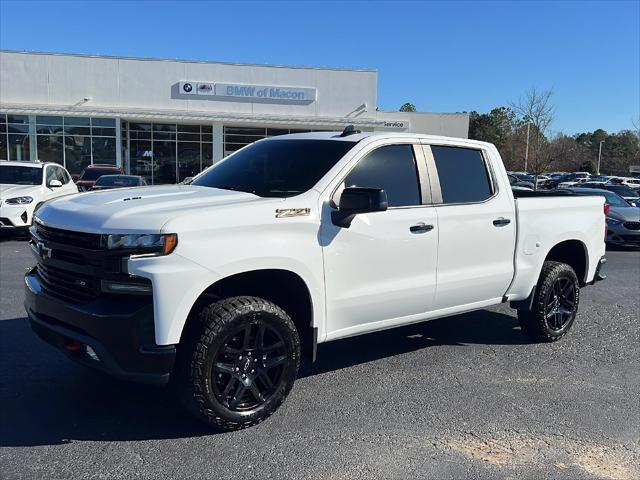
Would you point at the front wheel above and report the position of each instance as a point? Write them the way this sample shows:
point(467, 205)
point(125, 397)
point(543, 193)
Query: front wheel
point(555, 304)
point(240, 364)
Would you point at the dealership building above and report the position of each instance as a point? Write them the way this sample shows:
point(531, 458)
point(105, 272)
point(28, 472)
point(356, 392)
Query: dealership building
point(169, 119)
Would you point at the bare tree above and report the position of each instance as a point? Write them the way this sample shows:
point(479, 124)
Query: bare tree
point(536, 109)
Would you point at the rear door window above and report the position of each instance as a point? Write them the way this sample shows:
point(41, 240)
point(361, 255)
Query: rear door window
point(463, 174)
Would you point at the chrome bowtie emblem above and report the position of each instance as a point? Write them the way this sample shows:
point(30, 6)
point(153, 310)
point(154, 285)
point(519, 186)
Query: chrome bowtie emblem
point(43, 251)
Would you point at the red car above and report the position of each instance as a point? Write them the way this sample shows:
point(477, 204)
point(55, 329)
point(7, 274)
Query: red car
point(92, 172)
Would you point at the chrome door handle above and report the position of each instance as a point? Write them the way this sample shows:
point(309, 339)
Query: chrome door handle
point(501, 222)
point(420, 228)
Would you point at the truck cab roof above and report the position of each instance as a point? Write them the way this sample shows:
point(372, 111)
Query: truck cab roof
point(27, 163)
point(357, 137)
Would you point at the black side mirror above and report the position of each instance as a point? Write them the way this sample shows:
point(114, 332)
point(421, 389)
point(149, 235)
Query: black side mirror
point(355, 200)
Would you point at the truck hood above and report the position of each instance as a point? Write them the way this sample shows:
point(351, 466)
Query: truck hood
point(143, 209)
point(10, 191)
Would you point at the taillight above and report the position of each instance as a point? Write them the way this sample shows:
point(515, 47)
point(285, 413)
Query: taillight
point(607, 208)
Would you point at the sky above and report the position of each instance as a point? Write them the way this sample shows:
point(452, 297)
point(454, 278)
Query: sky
point(441, 56)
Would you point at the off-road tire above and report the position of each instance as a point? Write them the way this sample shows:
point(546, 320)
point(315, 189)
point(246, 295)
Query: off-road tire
point(205, 340)
point(533, 322)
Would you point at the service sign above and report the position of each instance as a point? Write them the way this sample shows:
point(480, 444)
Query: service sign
point(396, 124)
point(267, 93)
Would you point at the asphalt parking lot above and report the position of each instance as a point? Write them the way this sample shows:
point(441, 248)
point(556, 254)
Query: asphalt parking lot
point(461, 397)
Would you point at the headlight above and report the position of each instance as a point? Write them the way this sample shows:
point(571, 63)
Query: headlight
point(613, 221)
point(162, 244)
point(19, 200)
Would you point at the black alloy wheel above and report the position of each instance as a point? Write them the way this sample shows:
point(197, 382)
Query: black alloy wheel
point(238, 362)
point(555, 303)
point(249, 367)
point(561, 303)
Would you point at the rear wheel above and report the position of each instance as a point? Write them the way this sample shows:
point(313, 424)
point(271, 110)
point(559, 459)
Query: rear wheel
point(240, 364)
point(555, 304)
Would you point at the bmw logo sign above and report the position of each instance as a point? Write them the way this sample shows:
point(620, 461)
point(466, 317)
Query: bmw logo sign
point(187, 87)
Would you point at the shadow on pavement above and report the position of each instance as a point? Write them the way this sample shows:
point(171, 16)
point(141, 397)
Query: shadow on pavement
point(45, 399)
point(8, 235)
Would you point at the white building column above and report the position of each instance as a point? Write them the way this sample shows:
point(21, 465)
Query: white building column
point(33, 141)
point(218, 142)
point(119, 143)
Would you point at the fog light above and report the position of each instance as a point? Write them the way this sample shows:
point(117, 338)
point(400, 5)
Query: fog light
point(133, 288)
point(91, 353)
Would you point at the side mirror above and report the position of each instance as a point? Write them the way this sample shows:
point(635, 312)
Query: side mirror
point(355, 200)
point(75, 178)
point(54, 184)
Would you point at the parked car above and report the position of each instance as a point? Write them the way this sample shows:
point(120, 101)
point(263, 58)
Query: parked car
point(542, 181)
point(92, 172)
point(25, 186)
point(107, 182)
point(627, 181)
point(515, 182)
point(297, 240)
point(577, 181)
point(625, 192)
point(600, 178)
point(623, 219)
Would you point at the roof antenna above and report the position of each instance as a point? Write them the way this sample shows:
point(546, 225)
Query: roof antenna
point(349, 130)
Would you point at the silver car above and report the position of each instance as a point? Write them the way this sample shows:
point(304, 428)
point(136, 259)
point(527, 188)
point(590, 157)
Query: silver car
point(623, 219)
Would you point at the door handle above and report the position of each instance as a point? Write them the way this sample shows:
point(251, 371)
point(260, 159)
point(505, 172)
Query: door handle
point(501, 222)
point(420, 228)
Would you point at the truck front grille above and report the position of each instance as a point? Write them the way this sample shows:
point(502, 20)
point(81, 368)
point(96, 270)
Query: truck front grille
point(68, 237)
point(72, 265)
point(67, 285)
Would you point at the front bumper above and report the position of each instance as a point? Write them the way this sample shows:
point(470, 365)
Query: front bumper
point(623, 237)
point(14, 216)
point(119, 332)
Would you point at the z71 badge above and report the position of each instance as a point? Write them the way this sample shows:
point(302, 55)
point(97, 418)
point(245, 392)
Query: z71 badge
point(292, 212)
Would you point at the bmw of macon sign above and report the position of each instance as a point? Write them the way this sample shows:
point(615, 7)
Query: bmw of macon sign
point(268, 93)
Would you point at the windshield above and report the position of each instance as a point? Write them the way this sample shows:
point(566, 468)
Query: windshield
point(95, 173)
point(16, 175)
point(276, 168)
point(116, 181)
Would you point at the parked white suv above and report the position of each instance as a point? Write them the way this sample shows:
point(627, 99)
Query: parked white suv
point(297, 240)
point(24, 186)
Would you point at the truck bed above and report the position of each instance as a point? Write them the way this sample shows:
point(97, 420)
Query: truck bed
point(545, 219)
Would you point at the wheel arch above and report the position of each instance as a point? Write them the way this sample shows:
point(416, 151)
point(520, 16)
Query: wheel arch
point(574, 253)
point(285, 288)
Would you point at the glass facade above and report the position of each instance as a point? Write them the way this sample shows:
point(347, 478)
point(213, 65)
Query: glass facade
point(73, 142)
point(16, 142)
point(166, 152)
point(237, 137)
point(162, 153)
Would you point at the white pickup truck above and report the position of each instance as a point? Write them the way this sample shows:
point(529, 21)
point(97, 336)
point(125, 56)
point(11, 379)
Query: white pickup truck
point(293, 241)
